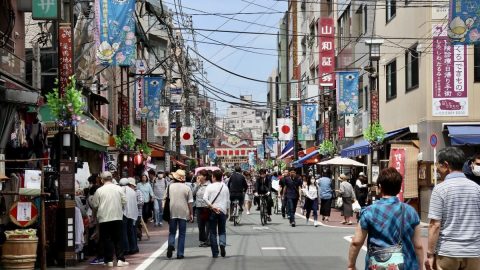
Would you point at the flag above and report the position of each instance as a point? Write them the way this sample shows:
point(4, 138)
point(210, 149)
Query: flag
point(115, 36)
point(186, 136)
point(161, 125)
point(285, 131)
point(287, 150)
point(152, 95)
point(309, 121)
point(347, 92)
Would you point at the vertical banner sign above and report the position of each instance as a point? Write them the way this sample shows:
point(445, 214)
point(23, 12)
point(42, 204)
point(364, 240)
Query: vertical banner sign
point(326, 129)
point(144, 130)
point(115, 37)
point(327, 51)
point(161, 125)
point(152, 95)
point(464, 26)
point(251, 158)
point(347, 92)
point(269, 142)
point(124, 110)
point(203, 145)
point(309, 121)
point(397, 161)
point(261, 151)
point(450, 96)
point(65, 56)
point(374, 105)
point(141, 67)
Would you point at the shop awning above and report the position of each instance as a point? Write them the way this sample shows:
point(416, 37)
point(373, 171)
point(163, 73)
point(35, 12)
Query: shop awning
point(306, 158)
point(158, 151)
point(93, 146)
point(462, 135)
point(178, 162)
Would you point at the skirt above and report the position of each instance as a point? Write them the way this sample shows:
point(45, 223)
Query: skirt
point(347, 210)
point(325, 207)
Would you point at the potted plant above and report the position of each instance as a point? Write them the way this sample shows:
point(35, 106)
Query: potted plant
point(67, 109)
point(327, 148)
point(374, 135)
point(144, 148)
point(126, 140)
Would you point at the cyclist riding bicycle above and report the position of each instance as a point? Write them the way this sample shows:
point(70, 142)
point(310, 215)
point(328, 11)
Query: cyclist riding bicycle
point(237, 185)
point(264, 187)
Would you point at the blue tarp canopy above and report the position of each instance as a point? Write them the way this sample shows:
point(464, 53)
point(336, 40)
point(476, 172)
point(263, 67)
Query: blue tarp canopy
point(461, 135)
point(363, 147)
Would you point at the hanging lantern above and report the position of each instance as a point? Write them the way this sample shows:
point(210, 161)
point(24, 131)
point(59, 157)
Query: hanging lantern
point(138, 159)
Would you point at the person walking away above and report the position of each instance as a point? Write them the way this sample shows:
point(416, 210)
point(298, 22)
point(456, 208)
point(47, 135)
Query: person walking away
point(159, 187)
point(348, 197)
point(130, 215)
point(282, 191)
point(454, 230)
point(326, 196)
point(389, 224)
point(264, 187)
point(471, 169)
point(140, 202)
point(249, 195)
point(290, 187)
point(146, 188)
point(311, 200)
point(181, 211)
point(123, 182)
point(108, 201)
point(361, 191)
point(217, 197)
point(237, 186)
point(201, 208)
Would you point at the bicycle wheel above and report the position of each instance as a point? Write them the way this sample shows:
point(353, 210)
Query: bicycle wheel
point(263, 212)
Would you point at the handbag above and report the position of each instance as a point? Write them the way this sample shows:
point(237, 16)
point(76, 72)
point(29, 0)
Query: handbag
point(339, 202)
point(388, 257)
point(166, 207)
point(356, 207)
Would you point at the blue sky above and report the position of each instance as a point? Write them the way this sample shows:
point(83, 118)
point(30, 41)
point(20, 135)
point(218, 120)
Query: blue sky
point(241, 62)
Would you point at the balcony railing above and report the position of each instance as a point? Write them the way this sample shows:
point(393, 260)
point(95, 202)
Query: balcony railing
point(12, 64)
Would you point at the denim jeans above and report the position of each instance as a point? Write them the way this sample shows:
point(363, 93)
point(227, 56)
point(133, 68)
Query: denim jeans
point(158, 210)
point(291, 208)
point(217, 221)
point(203, 228)
point(132, 236)
point(181, 224)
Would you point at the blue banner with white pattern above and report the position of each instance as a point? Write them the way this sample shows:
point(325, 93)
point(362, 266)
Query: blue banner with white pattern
point(464, 23)
point(347, 92)
point(309, 121)
point(152, 91)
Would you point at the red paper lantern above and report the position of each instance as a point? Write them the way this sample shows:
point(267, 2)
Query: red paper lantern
point(138, 159)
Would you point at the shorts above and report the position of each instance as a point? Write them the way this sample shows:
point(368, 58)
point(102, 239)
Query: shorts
point(249, 197)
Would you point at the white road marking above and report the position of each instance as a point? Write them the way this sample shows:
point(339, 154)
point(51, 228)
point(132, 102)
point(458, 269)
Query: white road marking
point(323, 224)
point(145, 264)
point(348, 238)
point(261, 228)
point(274, 248)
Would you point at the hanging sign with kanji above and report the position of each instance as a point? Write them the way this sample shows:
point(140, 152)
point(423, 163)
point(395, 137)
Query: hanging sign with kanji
point(23, 214)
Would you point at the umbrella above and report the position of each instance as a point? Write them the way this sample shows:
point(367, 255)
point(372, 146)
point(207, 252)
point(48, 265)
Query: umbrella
point(209, 168)
point(340, 161)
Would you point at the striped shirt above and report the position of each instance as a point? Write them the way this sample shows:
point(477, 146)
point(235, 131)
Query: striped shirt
point(456, 204)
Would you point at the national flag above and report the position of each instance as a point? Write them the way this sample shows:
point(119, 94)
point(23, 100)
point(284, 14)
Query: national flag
point(285, 130)
point(186, 136)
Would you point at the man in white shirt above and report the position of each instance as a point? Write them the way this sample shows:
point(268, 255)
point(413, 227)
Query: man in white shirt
point(217, 198)
point(108, 201)
point(131, 214)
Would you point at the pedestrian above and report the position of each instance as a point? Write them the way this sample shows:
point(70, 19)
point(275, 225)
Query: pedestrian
point(471, 169)
point(326, 195)
point(302, 196)
point(140, 203)
point(263, 187)
point(159, 187)
point(109, 201)
point(146, 188)
point(181, 211)
point(249, 198)
point(217, 197)
point(237, 186)
point(311, 200)
point(290, 187)
point(348, 197)
point(361, 189)
point(281, 183)
point(130, 215)
point(393, 228)
point(152, 178)
point(454, 230)
point(201, 208)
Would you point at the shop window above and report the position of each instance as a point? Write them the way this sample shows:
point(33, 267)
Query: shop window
point(390, 10)
point(391, 80)
point(411, 68)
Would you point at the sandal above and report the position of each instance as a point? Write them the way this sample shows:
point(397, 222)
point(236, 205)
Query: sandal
point(343, 222)
point(349, 223)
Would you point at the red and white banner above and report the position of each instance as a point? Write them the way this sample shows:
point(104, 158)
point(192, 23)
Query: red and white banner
point(326, 65)
point(285, 129)
point(65, 55)
point(186, 136)
point(397, 161)
point(161, 125)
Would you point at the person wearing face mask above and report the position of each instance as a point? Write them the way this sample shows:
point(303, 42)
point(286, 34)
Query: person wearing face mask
point(471, 169)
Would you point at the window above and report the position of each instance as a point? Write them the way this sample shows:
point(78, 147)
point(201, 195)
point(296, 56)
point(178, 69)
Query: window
point(391, 9)
point(234, 113)
point(360, 98)
point(476, 62)
point(365, 91)
point(244, 112)
point(344, 23)
point(411, 68)
point(250, 121)
point(365, 19)
point(391, 80)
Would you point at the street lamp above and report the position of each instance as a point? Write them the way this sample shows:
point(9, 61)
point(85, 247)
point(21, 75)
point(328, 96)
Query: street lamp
point(374, 48)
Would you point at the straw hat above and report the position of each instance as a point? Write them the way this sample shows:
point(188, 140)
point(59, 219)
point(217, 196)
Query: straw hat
point(179, 175)
point(131, 181)
point(343, 177)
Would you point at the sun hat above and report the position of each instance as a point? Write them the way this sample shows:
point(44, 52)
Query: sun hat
point(179, 175)
point(131, 181)
point(343, 177)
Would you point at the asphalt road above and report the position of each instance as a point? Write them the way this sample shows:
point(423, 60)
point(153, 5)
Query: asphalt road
point(274, 246)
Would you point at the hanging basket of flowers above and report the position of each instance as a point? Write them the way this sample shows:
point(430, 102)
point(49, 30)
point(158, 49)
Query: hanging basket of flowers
point(374, 134)
point(327, 148)
point(67, 109)
point(126, 140)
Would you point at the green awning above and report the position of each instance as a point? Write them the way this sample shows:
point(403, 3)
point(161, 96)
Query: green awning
point(93, 146)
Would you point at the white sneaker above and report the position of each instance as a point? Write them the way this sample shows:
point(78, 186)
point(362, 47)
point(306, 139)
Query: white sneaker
point(248, 212)
point(315, 223)
point(122, 263)
point(109, 264)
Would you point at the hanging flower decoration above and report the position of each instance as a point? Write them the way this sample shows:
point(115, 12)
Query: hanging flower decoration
point(374, 134)
point(126, 140)
point(68, 109)
point(144, 148)
point(327, 148)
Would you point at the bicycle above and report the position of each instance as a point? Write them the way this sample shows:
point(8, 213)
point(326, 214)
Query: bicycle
point(236, 213)
point(263, 209)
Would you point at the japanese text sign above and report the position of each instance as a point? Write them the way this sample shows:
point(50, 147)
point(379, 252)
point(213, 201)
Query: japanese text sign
point(327, 51)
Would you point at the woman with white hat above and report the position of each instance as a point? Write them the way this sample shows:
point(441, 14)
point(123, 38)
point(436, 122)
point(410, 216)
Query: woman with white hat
point(348, 197)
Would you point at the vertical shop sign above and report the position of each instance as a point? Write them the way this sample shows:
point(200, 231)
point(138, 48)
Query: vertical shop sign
point(397, 161)
point(65, 56)
point(327, 51)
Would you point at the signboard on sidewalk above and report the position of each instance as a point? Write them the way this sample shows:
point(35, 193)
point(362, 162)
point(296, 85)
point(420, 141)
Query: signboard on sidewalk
point(397, 161)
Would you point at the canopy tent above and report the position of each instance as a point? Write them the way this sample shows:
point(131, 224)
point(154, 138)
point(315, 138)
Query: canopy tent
point(341, 161)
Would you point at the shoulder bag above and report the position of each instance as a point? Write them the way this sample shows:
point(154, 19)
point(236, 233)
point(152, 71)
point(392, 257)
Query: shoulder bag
point(166, 206)
point(388, 257)
point(206, 216)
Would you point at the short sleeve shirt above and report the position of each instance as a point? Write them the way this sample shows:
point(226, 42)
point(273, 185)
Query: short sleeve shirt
point(383, 223)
